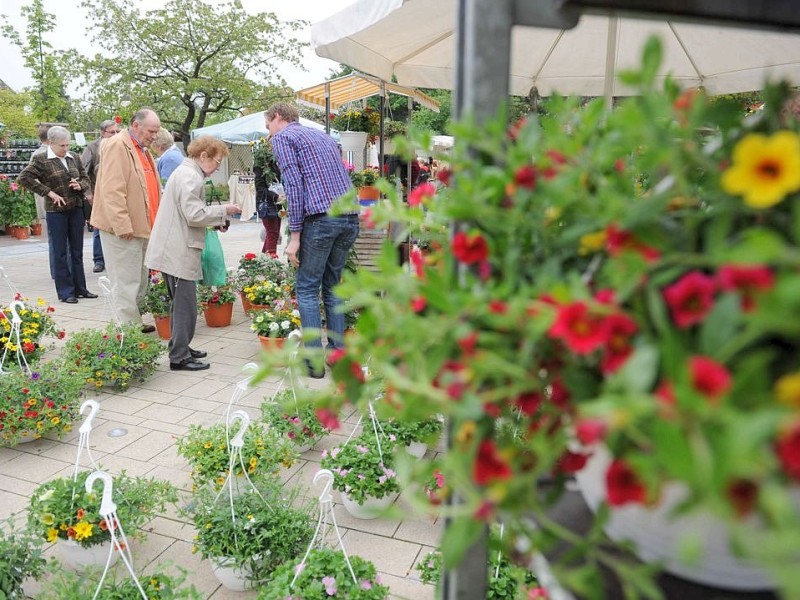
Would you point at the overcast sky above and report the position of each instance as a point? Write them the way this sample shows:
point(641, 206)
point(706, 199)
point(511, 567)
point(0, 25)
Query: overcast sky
point(72, 20)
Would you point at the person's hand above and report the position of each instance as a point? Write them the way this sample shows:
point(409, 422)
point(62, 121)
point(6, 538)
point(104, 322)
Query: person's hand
point(291, 251)
point(126, 236)
point(75, 184)
point(232, 209)
point(57, 200)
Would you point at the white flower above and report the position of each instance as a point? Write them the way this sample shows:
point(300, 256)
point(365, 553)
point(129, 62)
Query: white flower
point(285, 325)
point(273, 327)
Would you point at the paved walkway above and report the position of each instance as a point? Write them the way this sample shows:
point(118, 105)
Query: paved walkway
point(162, 409)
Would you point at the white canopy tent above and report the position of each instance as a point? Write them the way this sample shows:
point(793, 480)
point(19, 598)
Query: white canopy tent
point(244, 130)
point(415, 41)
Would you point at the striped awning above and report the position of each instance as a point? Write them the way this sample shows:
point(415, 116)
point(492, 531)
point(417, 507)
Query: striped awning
point(357, 86)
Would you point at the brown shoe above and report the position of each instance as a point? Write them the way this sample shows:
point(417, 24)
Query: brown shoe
point(148, 328)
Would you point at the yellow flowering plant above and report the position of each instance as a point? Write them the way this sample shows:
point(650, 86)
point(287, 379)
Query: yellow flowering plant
point(265, 293)
point(62, 509)
point(113, 357)
point(620, 283)
point(39, 402)
point(366, 119)
point(277, 322)
point(37, 322)
point(207, 451)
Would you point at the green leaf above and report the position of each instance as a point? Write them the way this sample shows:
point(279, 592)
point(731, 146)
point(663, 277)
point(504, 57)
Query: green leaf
point(651, 60)
point(758, 245)
point(639, 372)
point(459, 535)
point(721, 324)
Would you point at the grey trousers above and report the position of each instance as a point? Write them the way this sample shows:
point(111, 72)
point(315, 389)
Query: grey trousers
point(182, 316)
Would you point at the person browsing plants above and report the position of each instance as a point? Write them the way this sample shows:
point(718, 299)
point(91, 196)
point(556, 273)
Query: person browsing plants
point(178, 239)
point(313, 176)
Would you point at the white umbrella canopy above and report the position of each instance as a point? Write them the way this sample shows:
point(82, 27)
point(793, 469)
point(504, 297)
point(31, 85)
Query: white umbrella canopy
point(414, 40)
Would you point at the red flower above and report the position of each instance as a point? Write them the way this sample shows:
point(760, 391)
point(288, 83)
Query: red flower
point(498, 307)
point(445, 176)
point(249, 256)
point(538, 592)
point(526, 177)
point(418, 304)
point(747, 281)
point(485, 512)
point(60, 335)
point(357, 372)
point(366, 216)
point(470, 249)
point(418, 262)
point(467, 343)
point(589, 431)
point(623, 485)
point(788, 450)
point(528, 403)
point(621, 329)
point(328, 418)
point(665, 393)
point(743, 495)
point(578, 328)
point(336, 355)
point(559, 394)
point(570, 462)
point(619, 240)
point(117, 119)
point(709, 377)
point(690, 298)
point(452, 378)
point(421, 194)
point(489, 465)
point(492, 410)
point(28, 347)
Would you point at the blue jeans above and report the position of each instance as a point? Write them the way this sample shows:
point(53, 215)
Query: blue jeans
point(65, 229)
point(97, 249)
point(324, 246)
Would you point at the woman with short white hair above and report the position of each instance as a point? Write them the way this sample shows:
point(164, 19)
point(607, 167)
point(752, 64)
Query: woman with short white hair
point(59, 177)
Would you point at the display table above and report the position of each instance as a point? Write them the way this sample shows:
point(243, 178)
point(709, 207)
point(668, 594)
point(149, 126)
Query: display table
point(243, 194)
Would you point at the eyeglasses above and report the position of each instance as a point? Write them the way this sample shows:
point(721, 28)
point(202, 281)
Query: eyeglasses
point(111, 132)
point(219, 162)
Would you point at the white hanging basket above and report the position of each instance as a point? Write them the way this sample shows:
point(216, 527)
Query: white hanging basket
point(72, 554)
point(372, 508)
point(353, 141)
point(230, 576)
point(656, 533)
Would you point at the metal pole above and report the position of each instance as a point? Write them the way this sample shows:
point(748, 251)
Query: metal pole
point(483, 61)
point(327, 107)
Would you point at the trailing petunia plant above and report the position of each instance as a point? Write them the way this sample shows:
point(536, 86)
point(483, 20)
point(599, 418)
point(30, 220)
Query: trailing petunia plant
point(293, 420)
point(360, 470)
point(211, 294)
point(627, 278)
point(156, 300)
point(36, 322)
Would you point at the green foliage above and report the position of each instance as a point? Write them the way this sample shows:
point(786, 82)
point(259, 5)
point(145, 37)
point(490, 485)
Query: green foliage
point(208, 451)
point(269, 529)
point(36, 321)
point(364, 177)
point(264, 159)
point(324, 574)
point(185, 60)
point(212, 294)
point(63, 509)
point(295, 421)
point(17, 205)
point(33, 404)
point(256, 268)
point(357, 119)
point(406, 432)
point(358, 469)
point(17, 112)
point(156, 300)
point(20, 558)
point(65, 585)
point(49, 100)
point(113, 356)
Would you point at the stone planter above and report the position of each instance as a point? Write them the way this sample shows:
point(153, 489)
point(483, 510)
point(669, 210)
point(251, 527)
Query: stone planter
point(372, 508)
point(218, 315)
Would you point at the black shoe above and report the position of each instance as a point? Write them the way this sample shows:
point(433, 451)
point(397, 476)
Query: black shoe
point(198, 353)
point(89, 228)
point(312, 372)
point(148, 328)
point(189, 364)
point(70, 300)
point(86, 294)
point(98, 268)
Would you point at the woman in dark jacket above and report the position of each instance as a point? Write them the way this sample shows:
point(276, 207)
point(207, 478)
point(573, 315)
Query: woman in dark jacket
point(59, 177)
point(267, 206)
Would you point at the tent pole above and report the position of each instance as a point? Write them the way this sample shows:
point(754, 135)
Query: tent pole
point(483, 61)
point(328, 107)
point(611, 61)
point(380, 140)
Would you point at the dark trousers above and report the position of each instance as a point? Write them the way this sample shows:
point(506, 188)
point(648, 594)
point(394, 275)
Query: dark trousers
point(65, 230)
point(273, 228)
point(182, 316)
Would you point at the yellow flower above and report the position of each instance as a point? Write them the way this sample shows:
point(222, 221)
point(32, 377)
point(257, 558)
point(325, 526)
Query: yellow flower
point(465, 432)
point(48, 518)
point(207, 445)
point(52, 535)
point(592, 242)
point(83, 530)
point(253, 461)
point(765, 169)
point(787, 390)
point(55, 420)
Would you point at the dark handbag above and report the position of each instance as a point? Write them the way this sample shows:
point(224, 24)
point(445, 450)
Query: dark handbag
point(267, 209)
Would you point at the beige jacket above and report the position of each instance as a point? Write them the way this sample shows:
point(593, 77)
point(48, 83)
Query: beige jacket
point(179, 232)
point(120, 194)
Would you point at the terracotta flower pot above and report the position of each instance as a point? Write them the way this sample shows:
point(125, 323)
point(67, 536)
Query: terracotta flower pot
point(36, 229)
point(162, 327)
point(245, 302)
point(369, 193)
point(271, 343)
point(218, 315)
point(22, 233)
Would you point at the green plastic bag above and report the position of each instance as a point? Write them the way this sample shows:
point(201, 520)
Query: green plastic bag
point(213, 259)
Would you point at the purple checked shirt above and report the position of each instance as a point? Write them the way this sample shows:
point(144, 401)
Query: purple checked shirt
point(312, 171)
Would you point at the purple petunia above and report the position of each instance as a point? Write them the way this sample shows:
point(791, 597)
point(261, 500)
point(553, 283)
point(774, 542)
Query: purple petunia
point(35, 376)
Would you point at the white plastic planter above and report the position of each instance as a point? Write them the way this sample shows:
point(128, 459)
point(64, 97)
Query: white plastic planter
point(371, 509)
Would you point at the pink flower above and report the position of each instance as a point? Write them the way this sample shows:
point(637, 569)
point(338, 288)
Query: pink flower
point(13, 186)
point(330, 585)
point(747, 281)
point(709, 377)
point(328, 418)
point(421, 194)
point(580, 330)
point(365, 584)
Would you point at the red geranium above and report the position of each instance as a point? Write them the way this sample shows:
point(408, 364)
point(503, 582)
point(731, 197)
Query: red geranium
point(489, 465)
point(709, 377)
point(581, 331)
point(690, 298)
point(470, 249)
point(623, 485)
point(788, 450)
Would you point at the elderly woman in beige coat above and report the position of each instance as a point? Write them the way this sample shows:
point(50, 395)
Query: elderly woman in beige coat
point(177, 241)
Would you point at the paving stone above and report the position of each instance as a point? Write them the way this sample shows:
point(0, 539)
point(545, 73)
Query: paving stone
point(393, 557)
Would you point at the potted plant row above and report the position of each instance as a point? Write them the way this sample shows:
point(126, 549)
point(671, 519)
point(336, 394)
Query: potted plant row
point(255, 268)
point(216, 304)
point(273, 325)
